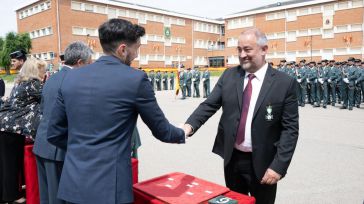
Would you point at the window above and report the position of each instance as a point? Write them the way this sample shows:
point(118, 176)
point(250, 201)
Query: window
point(232, 42)
point(292, 15)
point(101, 9)
point(281, 35)
point(111, 13)
point(44, 56)
point(316, 9)
point(357, 3)
point(76, 5)
point(341, 28)
point(270, 16)
point(281, 15)
point(142, 18)
point(328, 33)
point(355, 51)
point(356, 27)
point(342, 5)
point(132, 14)
point(303, 11)
point(122, 12)
point(49, 31)
point(291, 36)
point(167, 21)
point(329, 10)
point(340, 51)
point(316, 31)
point(270, 36)
point(303, 32)
point(51, 55)
point(77, 30)
point(91, 32)
point(89, 7)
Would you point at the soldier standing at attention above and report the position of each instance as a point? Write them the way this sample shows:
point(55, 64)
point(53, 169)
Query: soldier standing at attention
point(171, 80)
point(189, 82)
point(165, 80)
point(333, 76)
point(206, 83)
point(301, 79)
point(312, 81)
point(158, 80)
point(196, 83)
point(182, 82)
point(152, 78)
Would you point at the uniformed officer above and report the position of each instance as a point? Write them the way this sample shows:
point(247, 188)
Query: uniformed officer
point(358, 74)
point(311, 81)
point(349, 77)
point(362, 80)
point(323, 73)
point(182, 76)
point(189, 82)
point(196, 83)
point(301, 77)
point(158, 80)
point(206, 83)
point(171, 80)
point(165, 80)
point(333, 77)
point(152, 78)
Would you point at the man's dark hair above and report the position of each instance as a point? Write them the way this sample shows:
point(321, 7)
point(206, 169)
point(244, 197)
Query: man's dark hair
point(115, 31)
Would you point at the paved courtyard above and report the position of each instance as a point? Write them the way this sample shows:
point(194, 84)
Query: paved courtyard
point(328, 166)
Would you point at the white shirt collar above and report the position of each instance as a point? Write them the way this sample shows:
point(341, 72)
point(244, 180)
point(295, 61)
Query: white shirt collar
point(260, 74)
point(68, 66)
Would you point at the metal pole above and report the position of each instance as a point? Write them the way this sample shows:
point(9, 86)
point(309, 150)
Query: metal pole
point(311, 46)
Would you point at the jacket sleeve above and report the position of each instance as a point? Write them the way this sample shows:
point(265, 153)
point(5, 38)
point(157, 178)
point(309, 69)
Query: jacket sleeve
point(57, 133)
point(153, 117)
point(207, 108)
point(289, 135)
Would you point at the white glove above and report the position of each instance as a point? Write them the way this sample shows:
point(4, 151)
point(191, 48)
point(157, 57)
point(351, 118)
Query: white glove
point(321, 80)
point(329, 80)
point(299, 80)
point(346, 80)
point(308, 81)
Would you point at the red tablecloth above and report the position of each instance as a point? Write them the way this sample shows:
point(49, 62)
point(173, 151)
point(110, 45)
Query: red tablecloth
point(170, 187)
point(31, 175)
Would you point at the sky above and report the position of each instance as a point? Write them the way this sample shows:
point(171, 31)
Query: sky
point(202, 8)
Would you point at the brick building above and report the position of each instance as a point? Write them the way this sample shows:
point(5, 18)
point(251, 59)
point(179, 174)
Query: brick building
point(310, 29)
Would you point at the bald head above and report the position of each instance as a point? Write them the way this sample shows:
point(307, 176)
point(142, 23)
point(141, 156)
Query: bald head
point(260, 37)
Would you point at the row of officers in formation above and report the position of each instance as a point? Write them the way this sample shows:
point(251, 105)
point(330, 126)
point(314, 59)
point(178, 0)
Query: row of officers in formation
point(187, 79)
point(328, 82)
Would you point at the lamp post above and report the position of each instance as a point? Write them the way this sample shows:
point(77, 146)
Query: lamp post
point(178, 49)
point(311, 47)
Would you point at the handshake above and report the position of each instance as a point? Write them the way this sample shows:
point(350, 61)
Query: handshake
point(187, 128)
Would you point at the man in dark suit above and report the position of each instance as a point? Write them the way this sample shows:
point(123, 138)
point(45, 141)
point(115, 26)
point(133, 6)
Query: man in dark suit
point(258, 129)
point(95, 115)
point(49, 157)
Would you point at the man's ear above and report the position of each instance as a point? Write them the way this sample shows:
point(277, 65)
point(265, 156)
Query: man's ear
point(265, 49)
point(121, 49)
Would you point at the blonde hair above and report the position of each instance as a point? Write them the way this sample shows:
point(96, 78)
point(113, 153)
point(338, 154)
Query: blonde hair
point(30, 70)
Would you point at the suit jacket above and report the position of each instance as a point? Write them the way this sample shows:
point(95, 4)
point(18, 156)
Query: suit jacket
point(42, 147)
point(273, 141)
point(97, 107)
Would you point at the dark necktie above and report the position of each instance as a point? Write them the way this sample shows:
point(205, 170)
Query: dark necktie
point(247, 94)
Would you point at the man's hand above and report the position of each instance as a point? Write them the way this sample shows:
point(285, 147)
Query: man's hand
point(270, 177)
point(188, 129)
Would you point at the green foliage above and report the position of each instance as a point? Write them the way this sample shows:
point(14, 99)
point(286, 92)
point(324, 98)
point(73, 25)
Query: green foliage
point(11, 43)
point(8, 78)
point(216, 73)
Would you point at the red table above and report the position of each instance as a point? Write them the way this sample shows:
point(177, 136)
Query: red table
point(31, 175)
point(141, 197)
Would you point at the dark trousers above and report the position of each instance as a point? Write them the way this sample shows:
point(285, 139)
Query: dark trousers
point(11, 166)
point(333, 92)
point(188, 88)
point(171, 85)
point(240, 177)
point(49, 174)
point(196, 89)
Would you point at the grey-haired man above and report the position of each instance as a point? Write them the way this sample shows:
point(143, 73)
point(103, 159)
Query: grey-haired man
point(49, 157)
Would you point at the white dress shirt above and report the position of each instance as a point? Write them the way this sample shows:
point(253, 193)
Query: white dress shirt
point(257, 83)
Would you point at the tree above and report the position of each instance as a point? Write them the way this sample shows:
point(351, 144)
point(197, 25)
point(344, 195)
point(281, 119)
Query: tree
point(11, 43)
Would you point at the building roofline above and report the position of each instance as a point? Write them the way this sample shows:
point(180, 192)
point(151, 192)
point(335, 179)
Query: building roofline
point(142, 8)
point(26, 4)
point(276, 8)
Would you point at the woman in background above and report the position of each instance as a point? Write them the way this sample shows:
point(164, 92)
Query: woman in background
point(19, 119)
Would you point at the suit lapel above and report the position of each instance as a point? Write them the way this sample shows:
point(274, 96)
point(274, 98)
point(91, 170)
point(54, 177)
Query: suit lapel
point(267, 84)
point(240, 85)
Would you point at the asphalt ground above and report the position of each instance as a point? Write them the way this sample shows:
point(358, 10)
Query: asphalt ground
point(327, 167)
